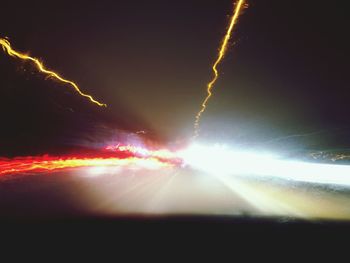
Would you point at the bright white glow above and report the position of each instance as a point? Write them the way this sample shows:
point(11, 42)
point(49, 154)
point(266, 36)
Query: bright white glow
point(97, 171)
point(221, 160)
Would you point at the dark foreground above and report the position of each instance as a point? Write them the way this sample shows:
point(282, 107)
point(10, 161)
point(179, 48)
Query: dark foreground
point(87, 211)
point(168, 238)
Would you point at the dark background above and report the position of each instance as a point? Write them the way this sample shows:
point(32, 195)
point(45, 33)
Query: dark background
point(285, 73)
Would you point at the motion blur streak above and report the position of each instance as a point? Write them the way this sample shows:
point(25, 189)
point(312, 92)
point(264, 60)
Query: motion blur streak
point(6, 46)
point(51, 163)
point(220, 161)
point(237, 11)
point(162, 154)
point(115, 156)
point(260, 199)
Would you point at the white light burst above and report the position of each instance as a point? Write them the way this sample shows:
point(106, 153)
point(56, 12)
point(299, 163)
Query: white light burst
point(222, 160)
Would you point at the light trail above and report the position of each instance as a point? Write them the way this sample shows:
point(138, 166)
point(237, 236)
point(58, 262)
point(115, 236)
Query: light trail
point(48, 163)
point(162, 154)
point(6, 46)
point(222, 52)
point(218, 160)
point(223, 161)
point(121, 156)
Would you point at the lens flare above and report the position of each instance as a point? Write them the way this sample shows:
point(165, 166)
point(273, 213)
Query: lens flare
point(6, 46)
point(222, 52)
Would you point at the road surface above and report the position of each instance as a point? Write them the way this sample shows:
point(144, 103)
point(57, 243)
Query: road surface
point(167, 192)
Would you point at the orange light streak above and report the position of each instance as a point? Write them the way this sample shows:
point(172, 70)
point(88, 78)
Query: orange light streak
point(6, 46)
point(222, 52)
point(51, 163)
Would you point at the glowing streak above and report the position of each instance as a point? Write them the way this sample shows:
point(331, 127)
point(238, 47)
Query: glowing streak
point(162, 154)
point(6, 46)
point(221, 55)
point(330, 156)
point(51, 163)
point(115, 156)
point(223, 161)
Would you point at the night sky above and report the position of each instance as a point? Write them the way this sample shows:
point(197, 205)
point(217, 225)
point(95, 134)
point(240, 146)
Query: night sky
point(286, 72)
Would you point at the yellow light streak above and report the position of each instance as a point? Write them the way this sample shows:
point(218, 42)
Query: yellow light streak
point(222, 52)
point(6, 46)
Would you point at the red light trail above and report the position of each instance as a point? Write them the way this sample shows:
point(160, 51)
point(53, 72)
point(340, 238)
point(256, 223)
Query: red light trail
point(113, 156)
